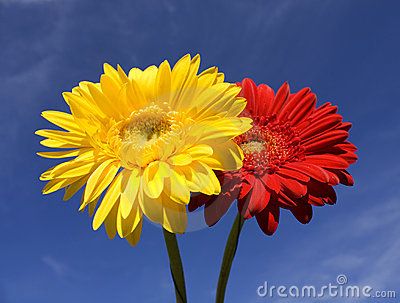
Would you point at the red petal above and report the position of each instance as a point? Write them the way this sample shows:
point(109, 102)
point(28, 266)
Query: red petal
point(268, 220)
point(297, 189)
point(322, 191)
point(333, 178)
point(345, 126)
point(259, 201)
point(303, 109)
point(316, 201)
point(272, 182)
point(321, 126)
point(280, 99)
point(347, 146)
point(294, 99)
point(258, 188)
point(247, 185)
point(327, 161)
point(324, 110)
point(313, 171)
point(198, 200)
point(287, 202)
point(287, 172)
point(265, 97)
point(217, 208)
point(350, 157)
point(245, 189)
point(325, 140)
point(249, 91)
point(243, 209)
point(344, 177)
point(255, 201)
point(344, 150)
point(303, 213)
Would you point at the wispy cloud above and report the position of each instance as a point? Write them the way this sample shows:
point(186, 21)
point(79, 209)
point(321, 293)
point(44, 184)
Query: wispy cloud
point(368, 260)
point(379, 217)
point(58, 267)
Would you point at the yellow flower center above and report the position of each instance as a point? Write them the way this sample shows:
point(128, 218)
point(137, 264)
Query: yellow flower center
point(253, 147)
point(145, 133)
point(146, 126)
point(268, 146)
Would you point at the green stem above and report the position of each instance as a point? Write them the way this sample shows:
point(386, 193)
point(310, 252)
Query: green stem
point(229, 255)
point(176, 267)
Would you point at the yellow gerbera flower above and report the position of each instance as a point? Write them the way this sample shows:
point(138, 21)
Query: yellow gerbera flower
point(146, 139)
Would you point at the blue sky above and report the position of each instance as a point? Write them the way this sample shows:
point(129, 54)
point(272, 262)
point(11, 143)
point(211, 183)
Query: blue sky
point(347, 51)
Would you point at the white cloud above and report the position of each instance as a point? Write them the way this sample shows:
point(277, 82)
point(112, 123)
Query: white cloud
point(383, 215)
point(369, 246)
point(59, 268)
point(344, 262)
point(370, 260)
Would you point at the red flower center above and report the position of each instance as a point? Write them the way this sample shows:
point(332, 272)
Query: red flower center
point(269, 145)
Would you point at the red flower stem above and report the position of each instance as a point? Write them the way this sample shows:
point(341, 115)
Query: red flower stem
point(229, 255)
point(176, 267)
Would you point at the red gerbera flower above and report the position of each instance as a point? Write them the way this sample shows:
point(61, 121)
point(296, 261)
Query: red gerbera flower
point(293, 156)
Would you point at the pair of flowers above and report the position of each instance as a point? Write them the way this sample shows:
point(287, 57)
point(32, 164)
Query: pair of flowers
point(149, 143)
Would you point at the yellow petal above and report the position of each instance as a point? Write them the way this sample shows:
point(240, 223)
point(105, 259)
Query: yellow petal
point(186, 98)
point(226, 156)
point(103, 102)
point(153, 179)
point(135, 95)
point(110, 87)
point(110, 222)
point(176, 188)
point(237, 107)
point(205, 177)
point(163, 82)
point(211, 95)
point(216, 130)
point(174, 216)
point(152, 208)
point(73, 169)
point(70, 138)
point(75, 187)
point(63, 120)
point(122, 75)
point(146, 82)
point(56, 144)
point(130, 188)
point(111, 72)
point(179, 75)
point(60, 154)
point(199, 151)
point(58, 171)
point(57, 184)
point(110, 198)
point(127, 225)
point(180, 159)
point(92, 206)
point(135, 73)
point(134, 237)
point(100, 179)
point(222, 97)
point(206, 79)
point(82, 105)
point(220, 78)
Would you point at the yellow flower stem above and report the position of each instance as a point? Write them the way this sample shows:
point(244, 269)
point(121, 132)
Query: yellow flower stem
point(229, 255)
point(176, 267)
